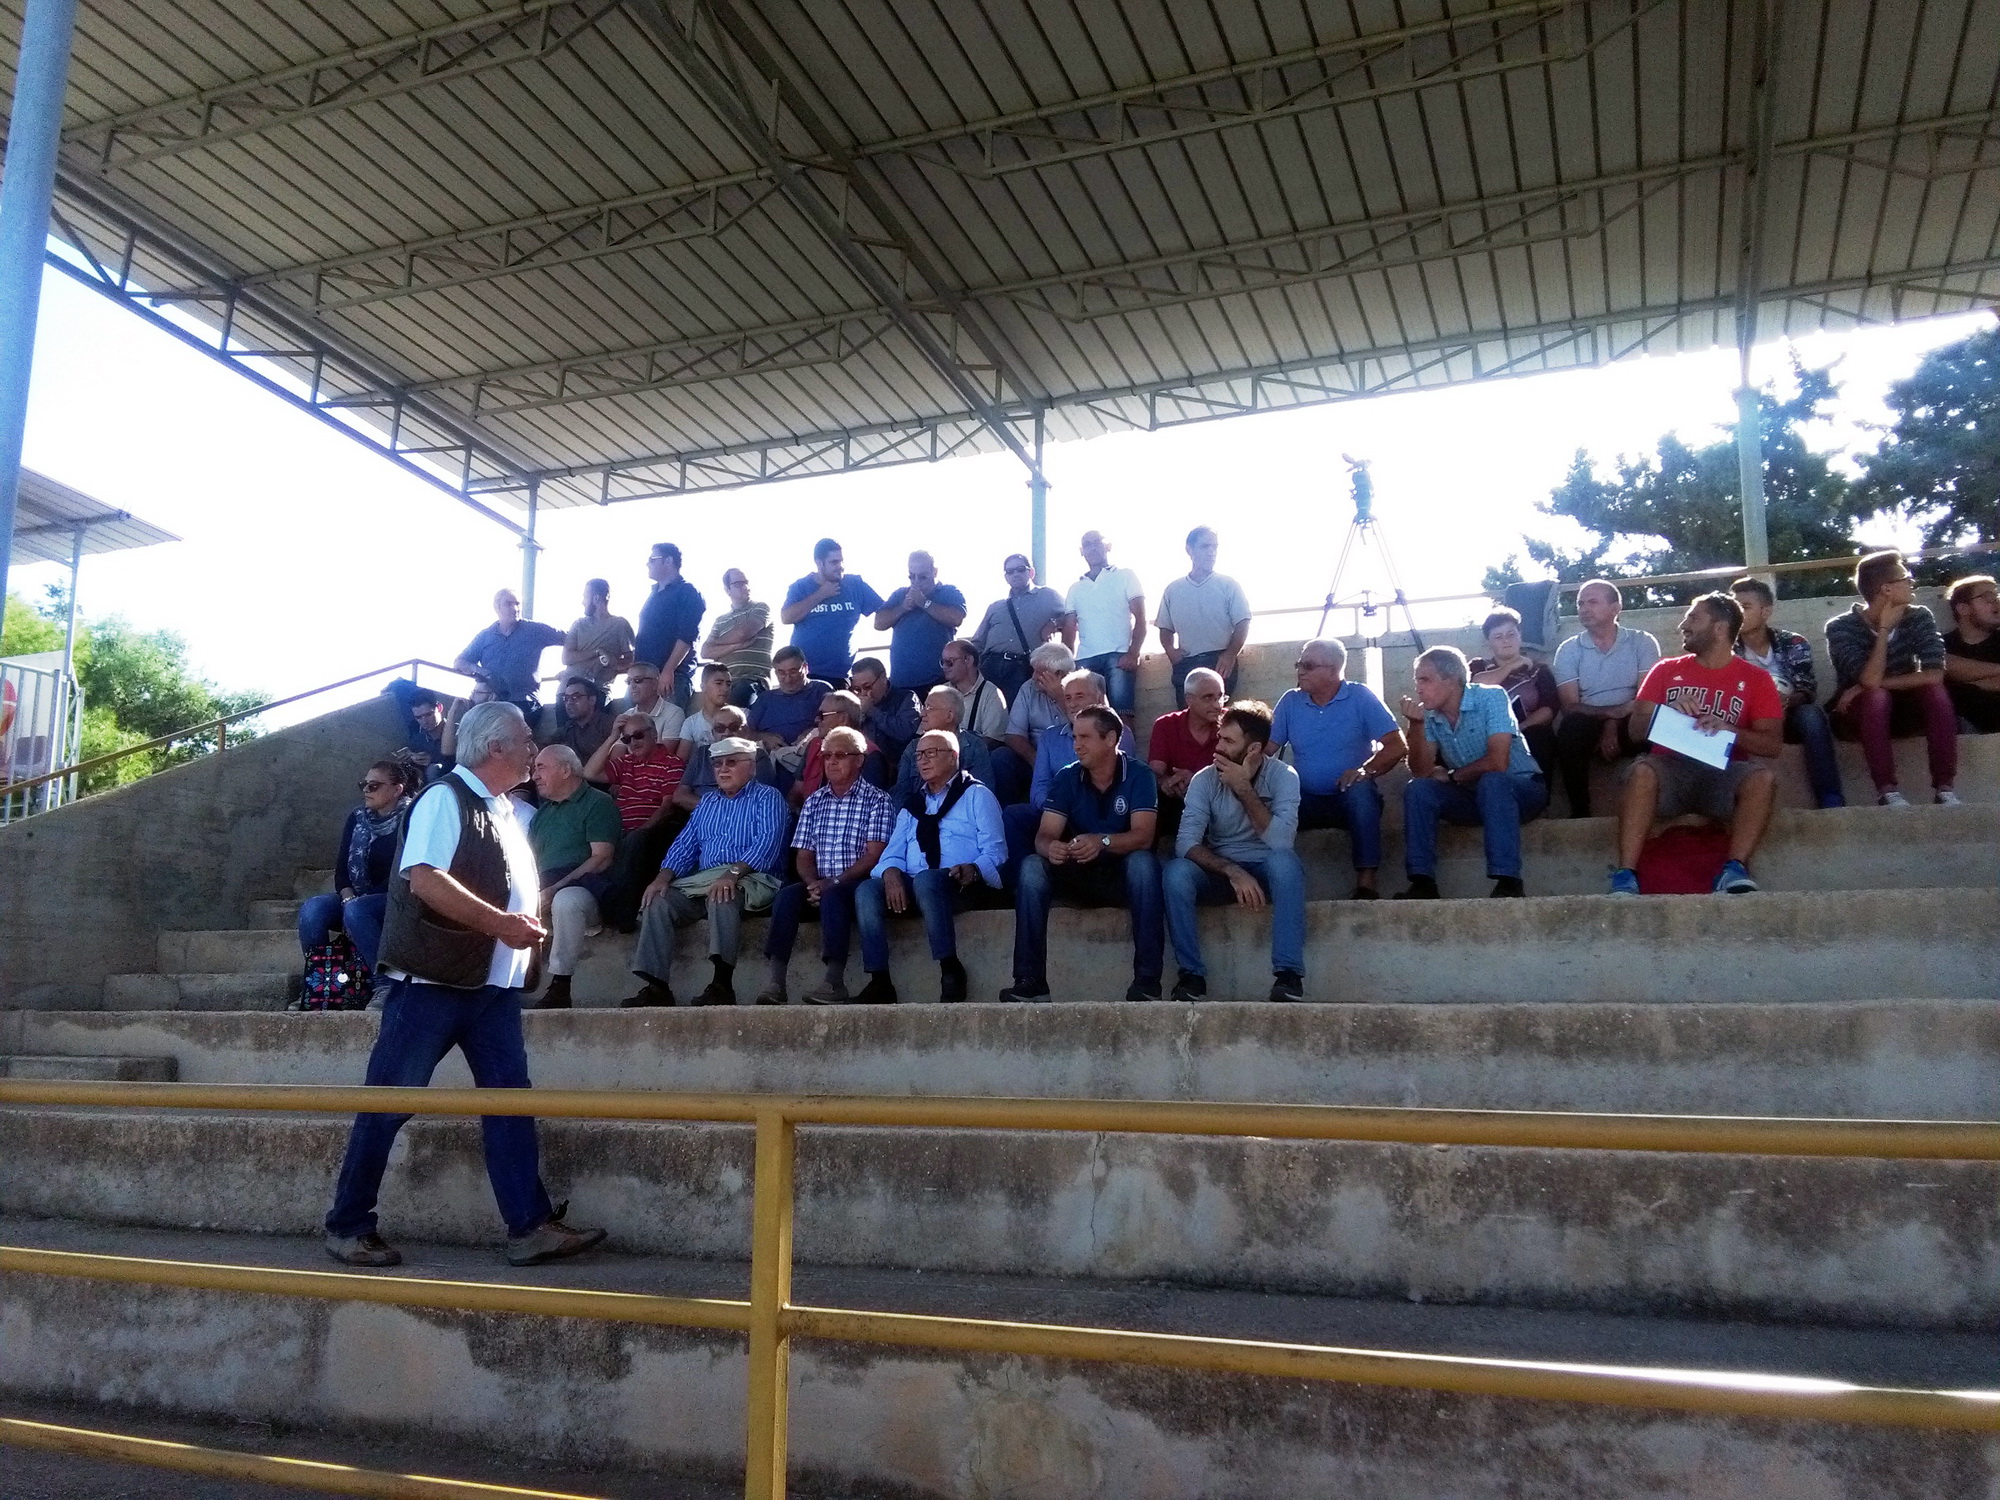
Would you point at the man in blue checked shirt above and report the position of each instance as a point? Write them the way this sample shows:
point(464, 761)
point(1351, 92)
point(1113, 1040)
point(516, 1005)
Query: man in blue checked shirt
point(944, 853)
point(723, 864)
point(842, 830)
point(1469, 763)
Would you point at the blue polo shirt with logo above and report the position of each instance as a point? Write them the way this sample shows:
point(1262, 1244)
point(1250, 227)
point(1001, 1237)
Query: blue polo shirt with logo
point(1133, 789)
point(826, 634)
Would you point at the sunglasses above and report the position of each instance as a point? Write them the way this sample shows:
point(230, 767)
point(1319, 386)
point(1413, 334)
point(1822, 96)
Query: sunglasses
point(374, 786)
point(637, 734)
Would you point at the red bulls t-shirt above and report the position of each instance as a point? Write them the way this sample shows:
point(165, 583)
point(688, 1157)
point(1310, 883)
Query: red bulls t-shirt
point(1739, 694)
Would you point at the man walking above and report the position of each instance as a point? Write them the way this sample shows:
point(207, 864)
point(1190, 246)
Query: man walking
point(670, 623)
point(456, 940)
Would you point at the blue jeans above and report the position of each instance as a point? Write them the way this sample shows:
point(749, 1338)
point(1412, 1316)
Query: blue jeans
point(1128, 880)
point(1187, 664)
point(1807, 724)
point(840, 912)
point(1500, 803)
point(420, 1024)
point(1120, 686)
point(1283, 877)
point(939, 900)
point(1012, 776)
point(361, 919)
point(1358, 810)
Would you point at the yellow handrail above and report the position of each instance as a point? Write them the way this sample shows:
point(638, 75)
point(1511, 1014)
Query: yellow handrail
point(771, 1319)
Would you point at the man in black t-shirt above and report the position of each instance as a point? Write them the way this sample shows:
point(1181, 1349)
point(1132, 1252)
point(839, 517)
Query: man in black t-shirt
point(1972, 652)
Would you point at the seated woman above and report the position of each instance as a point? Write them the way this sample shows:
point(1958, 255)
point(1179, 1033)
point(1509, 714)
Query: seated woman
point(1530, 685)
point(361, 872)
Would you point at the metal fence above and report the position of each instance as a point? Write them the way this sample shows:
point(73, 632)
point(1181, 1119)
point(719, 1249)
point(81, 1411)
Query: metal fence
point(770, 1319)
point(41, 733)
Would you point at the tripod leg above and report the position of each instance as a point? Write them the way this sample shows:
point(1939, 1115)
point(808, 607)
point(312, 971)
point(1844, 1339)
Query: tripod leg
point(1354, 529)
point(1396, 582)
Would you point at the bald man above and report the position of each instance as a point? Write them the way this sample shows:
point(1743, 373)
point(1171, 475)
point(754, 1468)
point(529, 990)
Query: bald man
point(920, 618)
point(509, 652)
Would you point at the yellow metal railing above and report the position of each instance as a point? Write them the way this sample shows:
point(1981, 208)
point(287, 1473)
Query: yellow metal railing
point(771, 1319)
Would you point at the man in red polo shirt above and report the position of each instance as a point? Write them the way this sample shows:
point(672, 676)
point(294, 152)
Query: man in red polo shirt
point(642, 775)
point(1183, 743)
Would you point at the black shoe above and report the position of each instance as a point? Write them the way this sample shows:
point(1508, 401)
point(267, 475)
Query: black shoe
point(722, 988)
point(951, 981)
point(1366, 893)
point(654, 993)
point(1285, 985)
point(557, 997)
point(1139, 989)
point(1422, 888)
point(1508, 885)
point(1021, 994)
point(1190, 987)
point(879, 990)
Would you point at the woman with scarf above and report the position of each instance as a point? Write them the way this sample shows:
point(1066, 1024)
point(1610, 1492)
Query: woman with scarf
point(361, 873)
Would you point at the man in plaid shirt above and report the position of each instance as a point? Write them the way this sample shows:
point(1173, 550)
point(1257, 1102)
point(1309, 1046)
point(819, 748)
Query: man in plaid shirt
point(842, 830)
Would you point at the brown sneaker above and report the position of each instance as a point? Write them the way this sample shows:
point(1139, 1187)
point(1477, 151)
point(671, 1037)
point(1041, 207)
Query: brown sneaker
point(554, 1240)
point(363, 1250)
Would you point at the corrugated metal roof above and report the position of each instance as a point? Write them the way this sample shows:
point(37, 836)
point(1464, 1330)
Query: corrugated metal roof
point(620, 249)
point(47, 515)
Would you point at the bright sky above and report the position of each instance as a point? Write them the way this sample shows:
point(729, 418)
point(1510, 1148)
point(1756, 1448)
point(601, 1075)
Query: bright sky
point(308, 559)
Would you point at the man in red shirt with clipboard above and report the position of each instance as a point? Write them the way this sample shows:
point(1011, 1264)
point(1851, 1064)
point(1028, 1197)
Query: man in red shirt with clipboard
point(1715, 721)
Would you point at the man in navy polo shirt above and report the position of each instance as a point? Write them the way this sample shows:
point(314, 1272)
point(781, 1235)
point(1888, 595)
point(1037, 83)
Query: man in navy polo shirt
point(1095, 847)
point(823, 608)
point(1343, 737)
point(920, 619)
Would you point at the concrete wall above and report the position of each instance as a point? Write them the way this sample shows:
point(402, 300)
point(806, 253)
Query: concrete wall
point(85, 890)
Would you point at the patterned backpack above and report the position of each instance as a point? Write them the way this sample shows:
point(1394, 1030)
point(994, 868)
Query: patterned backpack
point(335, 977)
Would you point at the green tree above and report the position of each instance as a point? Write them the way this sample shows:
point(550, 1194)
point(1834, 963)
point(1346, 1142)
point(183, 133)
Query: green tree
point(1939, 461)
point(25, 632)
point(1679, 509)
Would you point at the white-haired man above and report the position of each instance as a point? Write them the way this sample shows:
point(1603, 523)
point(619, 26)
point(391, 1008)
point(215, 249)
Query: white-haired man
point(456, 943)
point(1034, 709)
point(942, 710)
point(723, 864)
point(575, 836)
point(1342, 738)
point(842, 830)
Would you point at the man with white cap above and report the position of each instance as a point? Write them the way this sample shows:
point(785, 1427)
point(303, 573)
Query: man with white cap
point(723, 864)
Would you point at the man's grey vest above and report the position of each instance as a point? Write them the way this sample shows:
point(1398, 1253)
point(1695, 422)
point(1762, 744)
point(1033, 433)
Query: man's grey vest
point(434, 948)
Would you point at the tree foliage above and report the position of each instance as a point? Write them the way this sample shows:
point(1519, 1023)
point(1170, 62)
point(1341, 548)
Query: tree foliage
point(1939, 461)
point(1679, 509)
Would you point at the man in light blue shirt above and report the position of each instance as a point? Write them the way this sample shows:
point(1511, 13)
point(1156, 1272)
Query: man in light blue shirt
point(945, 851)
point(1342, 738)
point(1469, 764)
point(1235, 845)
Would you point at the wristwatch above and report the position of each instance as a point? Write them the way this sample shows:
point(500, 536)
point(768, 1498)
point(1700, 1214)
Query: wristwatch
point(1105, 840)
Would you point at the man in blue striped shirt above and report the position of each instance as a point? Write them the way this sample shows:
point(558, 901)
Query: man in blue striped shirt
point(723, 864)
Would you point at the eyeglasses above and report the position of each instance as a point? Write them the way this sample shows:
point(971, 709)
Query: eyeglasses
point(1307, 666)
point(934, 750)
point(375, 786)
point(1017, 568)
point(578, 697)
point(846, 755)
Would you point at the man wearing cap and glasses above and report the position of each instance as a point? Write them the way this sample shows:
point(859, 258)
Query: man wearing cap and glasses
point(723, 864)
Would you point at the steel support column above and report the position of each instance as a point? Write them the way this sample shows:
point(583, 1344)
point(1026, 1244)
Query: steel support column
point(34, 131)
point(1038, 506)
point(1749, 278)
point(529, 550)
point(60, 753)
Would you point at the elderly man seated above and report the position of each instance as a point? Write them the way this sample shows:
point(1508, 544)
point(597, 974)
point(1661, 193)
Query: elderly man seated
point(1094, 846)
point(942, 707)
point(642, 775)
point(1182, 744)
point(841, 833)
point(575, 836)
point(1469, 763)
point(1342, 738)
point(985, 703)
point(700, 777)
point(945, 852)
point(643, 696)
point(840, 709)
point(579, 720)
point(889, 714)
point(1235, 845)
point(1723, 694)
point(1038, 705)
point(723, 864)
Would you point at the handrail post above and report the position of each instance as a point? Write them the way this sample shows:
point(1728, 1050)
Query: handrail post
point(770, 1294)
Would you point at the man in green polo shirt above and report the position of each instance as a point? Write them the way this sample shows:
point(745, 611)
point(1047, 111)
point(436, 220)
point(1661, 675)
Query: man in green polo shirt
point(575, 838)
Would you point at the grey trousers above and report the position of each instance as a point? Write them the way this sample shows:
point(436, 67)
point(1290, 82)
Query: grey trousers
point(654, 957)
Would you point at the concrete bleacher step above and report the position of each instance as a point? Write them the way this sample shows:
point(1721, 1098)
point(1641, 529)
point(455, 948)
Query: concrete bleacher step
point(882, 1421)
point(245, 950)
point(206, 992)
point(311, 882)
point(102, 1069)
point(274, 916)
point(1864, 1242)
point(1908, 1059)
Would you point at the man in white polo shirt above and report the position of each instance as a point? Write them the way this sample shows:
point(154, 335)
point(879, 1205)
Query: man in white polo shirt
point(1106, 623)
point(1204, 618)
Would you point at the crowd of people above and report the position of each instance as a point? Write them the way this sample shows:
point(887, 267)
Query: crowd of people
point(1001, 770)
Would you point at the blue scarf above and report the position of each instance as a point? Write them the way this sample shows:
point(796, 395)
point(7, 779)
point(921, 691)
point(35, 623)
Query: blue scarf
point(369, 827)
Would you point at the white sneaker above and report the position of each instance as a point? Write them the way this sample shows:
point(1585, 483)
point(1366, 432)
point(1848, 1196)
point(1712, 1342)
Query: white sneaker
point(1946, 797)
point(1892, 799)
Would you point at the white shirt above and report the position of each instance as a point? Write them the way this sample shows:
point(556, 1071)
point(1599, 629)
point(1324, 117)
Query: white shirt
point(1103, 610)
point(667, 719)
point(433, 839)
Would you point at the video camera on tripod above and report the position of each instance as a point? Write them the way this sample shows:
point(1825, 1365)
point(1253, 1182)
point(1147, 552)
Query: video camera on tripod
point(1362, 529)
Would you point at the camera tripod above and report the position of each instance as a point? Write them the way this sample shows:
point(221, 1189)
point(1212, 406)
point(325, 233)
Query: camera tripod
point(1361, 531)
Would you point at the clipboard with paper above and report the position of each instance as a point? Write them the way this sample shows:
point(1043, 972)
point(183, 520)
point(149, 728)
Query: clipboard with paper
point(1675, 731)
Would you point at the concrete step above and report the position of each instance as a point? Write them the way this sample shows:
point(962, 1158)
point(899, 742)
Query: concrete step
point(1861, 1242)
point(311, 882)
point(99, 1068)
point(1914, 1059)
point(921, 1423)
point(231, 991)
point(1771, 946)
point(246, 950)
point(274, 916)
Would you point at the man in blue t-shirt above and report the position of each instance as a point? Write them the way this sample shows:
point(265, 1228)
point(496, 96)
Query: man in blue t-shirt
point(786, 711)
point(1342, 738)
point(823, 608)
point(1095, 847)
point(920, 619)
